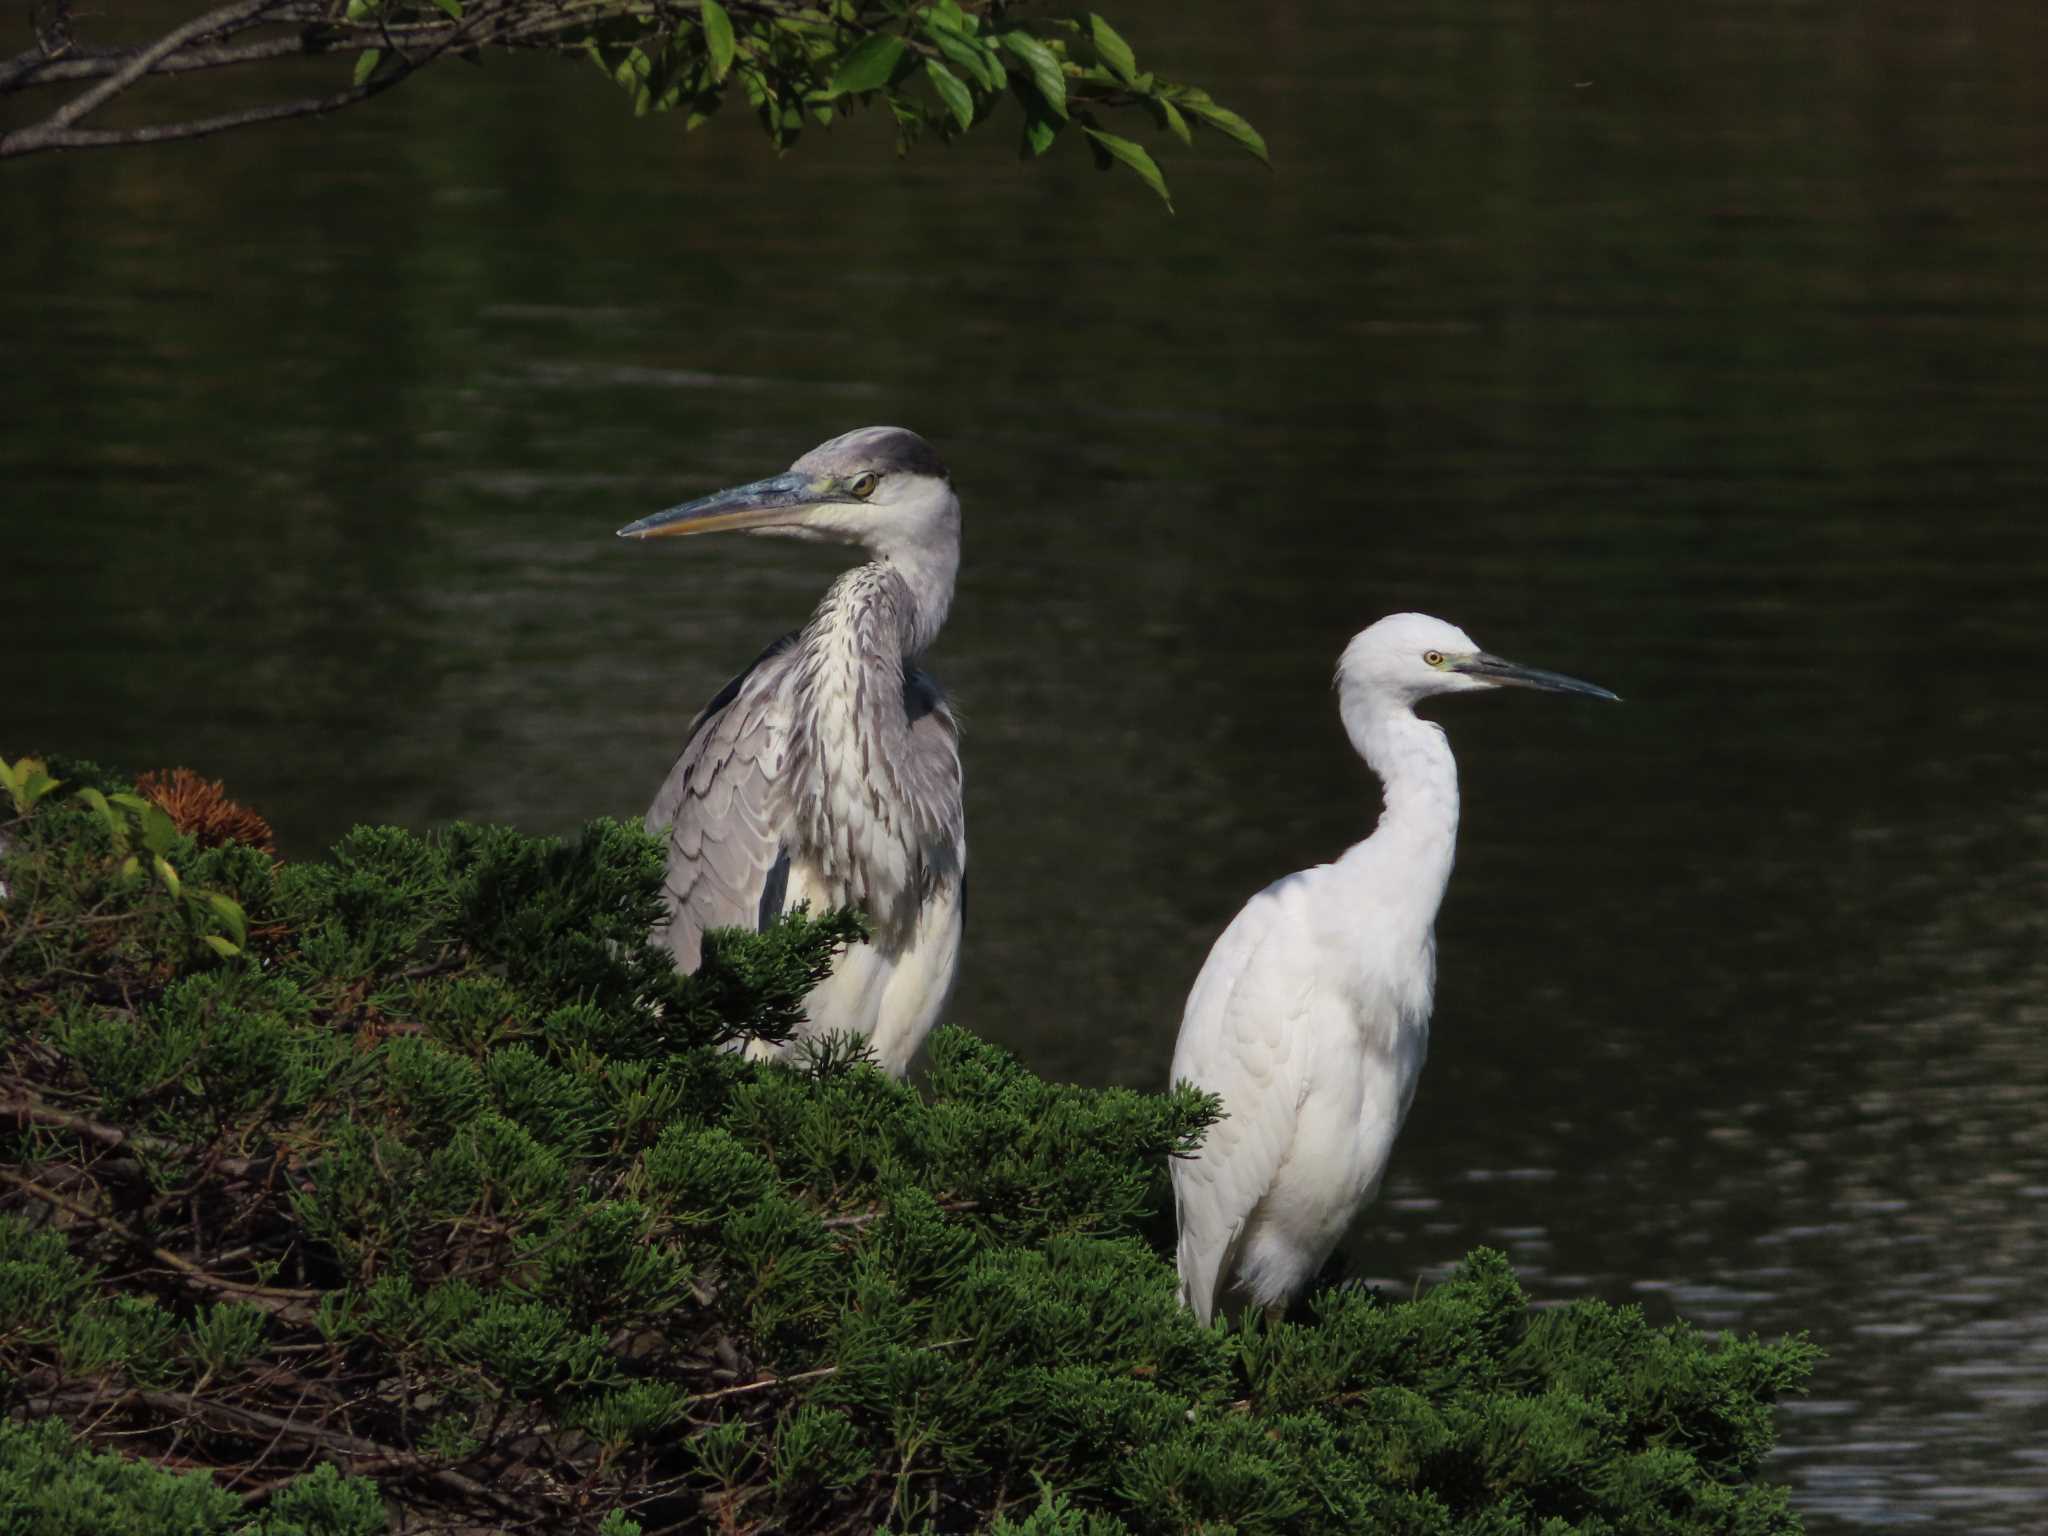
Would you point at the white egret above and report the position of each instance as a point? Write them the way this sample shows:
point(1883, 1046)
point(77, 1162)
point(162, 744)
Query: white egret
point(829, 771)
point(1310, 1018)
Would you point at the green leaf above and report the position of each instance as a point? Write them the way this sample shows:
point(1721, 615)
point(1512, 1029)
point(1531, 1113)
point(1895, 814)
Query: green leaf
point(1133, 155)
point(1112, 49)
point(718, 39)
point(1039, 132)
point(158, 830)
point(131, 867)
point(1046, 73)
point(452, 7)
point(165, 873)
point(219, 945)
point(952, 91)
point(230, 912)
point(1228, 123)
point(633, 70)
point(358, 9)
point(971, 54)
point(38, 785)
point(1169, 115)
point(26, 782)
point(117, 829)
point(869, 66)
point(366, 63)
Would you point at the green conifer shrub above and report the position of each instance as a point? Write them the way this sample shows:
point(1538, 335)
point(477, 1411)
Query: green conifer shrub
point(413, 1185)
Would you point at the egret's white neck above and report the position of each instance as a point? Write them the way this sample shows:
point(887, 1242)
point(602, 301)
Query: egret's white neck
point(1418, 826)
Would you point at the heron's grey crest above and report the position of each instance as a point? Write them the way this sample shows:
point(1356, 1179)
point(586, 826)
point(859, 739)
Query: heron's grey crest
point(829, 771)
point(1310, 1018)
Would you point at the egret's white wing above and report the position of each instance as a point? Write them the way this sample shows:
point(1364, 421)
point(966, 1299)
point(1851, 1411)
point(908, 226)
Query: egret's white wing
point(1242, 1037)
point(723, 809)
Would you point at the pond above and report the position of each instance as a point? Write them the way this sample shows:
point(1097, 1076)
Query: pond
point(1699, 351)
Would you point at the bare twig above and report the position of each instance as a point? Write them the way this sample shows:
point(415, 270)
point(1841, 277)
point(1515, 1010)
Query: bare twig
point(766, 1382)
point(864, 1218)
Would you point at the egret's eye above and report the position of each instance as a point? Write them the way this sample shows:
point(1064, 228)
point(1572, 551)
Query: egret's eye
point(863, 484)
point(1434, 658)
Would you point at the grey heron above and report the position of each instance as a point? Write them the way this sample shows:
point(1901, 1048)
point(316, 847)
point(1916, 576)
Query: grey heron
point(828, 772)
point(1310, 1018)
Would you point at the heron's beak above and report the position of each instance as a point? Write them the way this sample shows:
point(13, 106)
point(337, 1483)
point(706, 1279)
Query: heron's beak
point(777, 501)
point(1512, 674)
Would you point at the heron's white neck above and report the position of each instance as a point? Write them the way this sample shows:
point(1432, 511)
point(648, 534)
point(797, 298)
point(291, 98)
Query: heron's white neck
point(927, 572)
point(1418, 826)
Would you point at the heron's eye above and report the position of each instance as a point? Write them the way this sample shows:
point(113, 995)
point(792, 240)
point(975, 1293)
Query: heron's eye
point(1434, 658)
point(863, 484)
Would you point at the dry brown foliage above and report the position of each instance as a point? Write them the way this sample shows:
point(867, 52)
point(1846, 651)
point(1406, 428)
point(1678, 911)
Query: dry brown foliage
point(201, 810)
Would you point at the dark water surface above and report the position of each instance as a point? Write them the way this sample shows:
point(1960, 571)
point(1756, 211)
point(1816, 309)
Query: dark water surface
point(1700, 350)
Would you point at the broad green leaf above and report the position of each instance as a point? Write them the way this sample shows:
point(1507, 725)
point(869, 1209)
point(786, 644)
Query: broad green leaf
point(972, 55)
point(168, 875)
point(1046, 73)
point(718, 39)
point(8, 780)
point(1132, 154)
point(1112, 49)
point(358, 9)
point(452, 7)
point(366, 63)
point(869, 66)
point(39, 784)
point(219, 945)
point(131, 867)
point(1228, 123)
point(952, 91)
point(135, 803)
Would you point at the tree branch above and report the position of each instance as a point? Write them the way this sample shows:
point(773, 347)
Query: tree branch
point(334, 1442)
point(145, 59)
point(117, 71)
point(292, 1306)
point(114, 1138)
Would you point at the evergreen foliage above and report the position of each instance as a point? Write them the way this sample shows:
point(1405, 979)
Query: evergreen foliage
point(430, 1189)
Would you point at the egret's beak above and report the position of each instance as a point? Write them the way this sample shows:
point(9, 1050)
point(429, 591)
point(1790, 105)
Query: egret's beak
point(1512, 674)
point(778, 501)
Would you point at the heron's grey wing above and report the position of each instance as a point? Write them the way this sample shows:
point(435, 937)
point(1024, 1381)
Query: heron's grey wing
point(931, 778)
point(927, 962)
point(1241, 1038)
point(722, 810)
